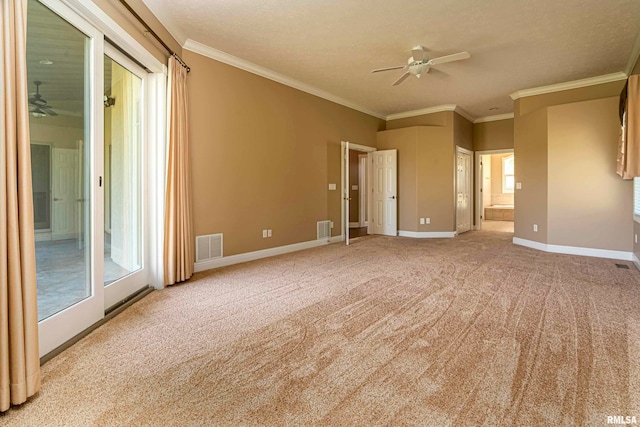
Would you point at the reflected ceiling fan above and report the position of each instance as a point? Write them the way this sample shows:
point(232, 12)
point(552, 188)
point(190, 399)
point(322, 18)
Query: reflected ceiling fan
point(38, 106)
point(419, 64)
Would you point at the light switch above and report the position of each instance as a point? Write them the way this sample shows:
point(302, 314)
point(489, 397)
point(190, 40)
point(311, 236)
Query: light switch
point(332, 186)
point(421, 221)
point(518, 186)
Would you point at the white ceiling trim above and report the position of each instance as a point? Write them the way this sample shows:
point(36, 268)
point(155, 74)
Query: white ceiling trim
point(463, 114)
point(234, 61)
point(575, 84)
point(421, 112)
point(494, 118)
point(635, 55)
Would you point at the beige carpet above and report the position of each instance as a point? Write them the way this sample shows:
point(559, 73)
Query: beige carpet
point(389, 331)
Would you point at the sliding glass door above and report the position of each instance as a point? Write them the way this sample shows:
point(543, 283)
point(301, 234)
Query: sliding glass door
point(123, 178)
point(87, 132)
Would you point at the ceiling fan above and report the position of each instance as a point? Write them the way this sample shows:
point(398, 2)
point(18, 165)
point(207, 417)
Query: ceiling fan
point(418, 64)
point(38, 106)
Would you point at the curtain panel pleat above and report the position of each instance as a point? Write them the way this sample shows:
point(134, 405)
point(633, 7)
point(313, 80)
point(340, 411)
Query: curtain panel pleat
point(178, 226)
point(19, 352)
point(629, 144)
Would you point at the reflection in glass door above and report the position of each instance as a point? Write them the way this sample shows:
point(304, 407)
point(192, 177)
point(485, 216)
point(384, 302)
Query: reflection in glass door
point(58, 126)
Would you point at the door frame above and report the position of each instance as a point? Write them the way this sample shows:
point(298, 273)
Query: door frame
point(478, 181)
point(363, 190)
point(344, 187)
point(89, 19)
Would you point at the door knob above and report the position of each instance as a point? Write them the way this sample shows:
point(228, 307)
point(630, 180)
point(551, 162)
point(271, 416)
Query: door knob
point(392, 197)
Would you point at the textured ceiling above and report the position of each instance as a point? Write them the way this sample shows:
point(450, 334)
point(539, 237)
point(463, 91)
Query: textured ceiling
point(333, 45)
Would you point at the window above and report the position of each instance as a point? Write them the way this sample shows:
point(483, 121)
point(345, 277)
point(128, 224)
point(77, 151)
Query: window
point(508, 177)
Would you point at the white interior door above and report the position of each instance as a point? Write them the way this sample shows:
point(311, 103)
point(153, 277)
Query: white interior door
point(463, 190)
point(385, 197)
point(65, 189)
point(345, 191)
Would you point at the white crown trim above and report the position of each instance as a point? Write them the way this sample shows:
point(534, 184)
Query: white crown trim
point(575, 84)
point(242, 64)
point(494, 118)
point(430, 110)
point(464, 114)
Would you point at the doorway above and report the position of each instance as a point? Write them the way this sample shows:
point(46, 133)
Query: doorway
point(464, 192)
point(495, 187)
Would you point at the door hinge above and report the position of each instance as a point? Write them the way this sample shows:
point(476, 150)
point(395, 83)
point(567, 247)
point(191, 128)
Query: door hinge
point(100, 181)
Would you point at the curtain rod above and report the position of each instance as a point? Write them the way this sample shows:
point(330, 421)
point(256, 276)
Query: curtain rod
point(157, 37)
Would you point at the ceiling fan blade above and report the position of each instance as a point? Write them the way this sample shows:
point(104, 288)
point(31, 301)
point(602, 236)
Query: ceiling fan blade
point(48, 110)
point(417, 53)
point(401, 79)
point(389, 68)
point(449, 58)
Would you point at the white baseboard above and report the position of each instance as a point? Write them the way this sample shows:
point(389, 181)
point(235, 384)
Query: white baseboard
point(428, 234)
point(575, 250)
point(354, 225)
point(336, 239)
point(636, 261)
point(264, 253)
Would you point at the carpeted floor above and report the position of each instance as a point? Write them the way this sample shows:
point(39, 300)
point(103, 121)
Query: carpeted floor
point(388, 331)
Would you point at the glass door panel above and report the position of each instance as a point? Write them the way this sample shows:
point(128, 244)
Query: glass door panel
point(61, 51)
point(122, 191)
point(124, 187)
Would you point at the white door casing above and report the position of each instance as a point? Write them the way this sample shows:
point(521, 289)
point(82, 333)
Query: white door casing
point(384, 192)
point(345, 190)
point(463, 190)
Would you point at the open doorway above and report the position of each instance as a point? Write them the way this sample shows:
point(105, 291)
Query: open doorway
point(358, 185)
point(495, 187)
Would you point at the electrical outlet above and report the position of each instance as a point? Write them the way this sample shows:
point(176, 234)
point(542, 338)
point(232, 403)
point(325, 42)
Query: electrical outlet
point(264, 234)
point(428, 220)
point(421, 221)
point(518, 186)
point(269, 233)
point(535, 227)
point(636, 238)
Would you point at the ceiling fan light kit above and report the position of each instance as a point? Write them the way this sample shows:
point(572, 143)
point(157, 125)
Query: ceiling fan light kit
point(418, 64)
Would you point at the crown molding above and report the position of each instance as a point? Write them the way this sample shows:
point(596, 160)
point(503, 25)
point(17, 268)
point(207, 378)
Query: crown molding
point(575, 84)
point(464, 114)
point(430, 110)
point(495, 118)
point(250, 67)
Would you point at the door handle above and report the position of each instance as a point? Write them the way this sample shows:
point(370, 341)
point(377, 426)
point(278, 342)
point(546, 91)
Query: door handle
point(55, 199)
point(392, 197)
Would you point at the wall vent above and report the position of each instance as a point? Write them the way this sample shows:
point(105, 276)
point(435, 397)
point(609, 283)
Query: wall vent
point(324, 229)
point(208, 247)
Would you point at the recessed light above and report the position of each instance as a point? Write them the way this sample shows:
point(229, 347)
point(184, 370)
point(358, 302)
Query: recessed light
point(46, 62)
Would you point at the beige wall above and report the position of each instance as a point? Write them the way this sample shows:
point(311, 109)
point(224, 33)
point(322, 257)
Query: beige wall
point(426, 156)
point(263, 155)
point(442, 118)
point(462, 132)
point(589, 205)
point(562, 141)
point(496, 135)
point(530, 149)
point(59, 131)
